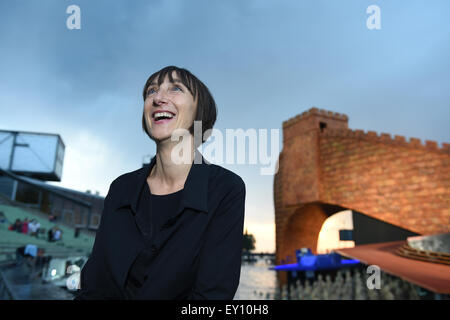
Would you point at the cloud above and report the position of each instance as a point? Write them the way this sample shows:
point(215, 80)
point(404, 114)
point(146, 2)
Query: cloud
point(89, 163)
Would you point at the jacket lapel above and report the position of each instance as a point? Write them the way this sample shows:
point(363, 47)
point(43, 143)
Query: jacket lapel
point(194, 194)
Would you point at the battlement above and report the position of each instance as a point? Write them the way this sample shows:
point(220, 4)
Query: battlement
point(397, 140)
point(329, 123)
point(315, 112)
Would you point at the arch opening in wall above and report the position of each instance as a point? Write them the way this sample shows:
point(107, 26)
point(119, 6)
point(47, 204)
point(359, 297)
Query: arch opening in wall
point(336, 232)
point(303, 227)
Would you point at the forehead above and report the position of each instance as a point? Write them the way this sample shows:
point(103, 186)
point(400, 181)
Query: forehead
point(173, 76)
point(160, 78)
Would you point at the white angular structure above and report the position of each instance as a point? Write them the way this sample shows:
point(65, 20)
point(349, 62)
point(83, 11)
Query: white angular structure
point(32, 154)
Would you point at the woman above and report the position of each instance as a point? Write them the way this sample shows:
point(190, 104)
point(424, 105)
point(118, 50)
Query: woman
point(173, 229)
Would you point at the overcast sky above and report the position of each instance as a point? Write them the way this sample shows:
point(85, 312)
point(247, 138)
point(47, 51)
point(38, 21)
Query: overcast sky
point(264, 61)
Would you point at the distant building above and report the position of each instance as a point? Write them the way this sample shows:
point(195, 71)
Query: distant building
point(27, 160)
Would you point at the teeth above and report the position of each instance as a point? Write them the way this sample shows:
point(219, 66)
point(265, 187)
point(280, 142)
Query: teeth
point(163, 114)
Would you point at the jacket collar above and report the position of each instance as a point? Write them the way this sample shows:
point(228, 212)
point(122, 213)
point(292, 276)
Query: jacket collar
point(195, 191)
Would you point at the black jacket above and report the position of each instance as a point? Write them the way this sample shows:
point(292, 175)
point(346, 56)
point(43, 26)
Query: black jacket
point(196, 253)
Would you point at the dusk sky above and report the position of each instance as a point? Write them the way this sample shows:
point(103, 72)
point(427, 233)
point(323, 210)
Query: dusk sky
point(264, 61)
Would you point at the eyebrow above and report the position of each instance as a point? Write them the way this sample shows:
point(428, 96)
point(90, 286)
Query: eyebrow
point(174, 81)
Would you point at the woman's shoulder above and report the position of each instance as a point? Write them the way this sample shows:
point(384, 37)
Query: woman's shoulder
point(225, 177)
point(125, 180)
point(218, 177)
point(130, 175)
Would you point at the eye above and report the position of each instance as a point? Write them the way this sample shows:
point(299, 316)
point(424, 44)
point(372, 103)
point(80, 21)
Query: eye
point(151, 91)
point(176, 88)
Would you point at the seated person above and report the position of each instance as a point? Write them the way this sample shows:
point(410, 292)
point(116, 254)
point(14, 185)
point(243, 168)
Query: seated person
point(33, 257)
point(3, 218)
point(17, 226)
point(26, 253)
point(33, 227)
point(57, 234)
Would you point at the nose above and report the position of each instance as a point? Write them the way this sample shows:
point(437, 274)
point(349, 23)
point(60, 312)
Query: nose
point(160, 97)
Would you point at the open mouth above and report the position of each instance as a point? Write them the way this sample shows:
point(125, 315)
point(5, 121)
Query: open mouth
point(163, 116)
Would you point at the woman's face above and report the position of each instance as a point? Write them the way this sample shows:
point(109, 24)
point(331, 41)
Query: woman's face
point(168, 107)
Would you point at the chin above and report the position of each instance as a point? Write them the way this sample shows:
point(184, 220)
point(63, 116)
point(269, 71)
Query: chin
point(161, 136)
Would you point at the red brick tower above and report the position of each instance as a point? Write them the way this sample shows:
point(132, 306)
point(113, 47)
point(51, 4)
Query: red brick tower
point(325, 167)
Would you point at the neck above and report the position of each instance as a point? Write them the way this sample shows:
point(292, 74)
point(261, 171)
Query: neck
point(167, 172)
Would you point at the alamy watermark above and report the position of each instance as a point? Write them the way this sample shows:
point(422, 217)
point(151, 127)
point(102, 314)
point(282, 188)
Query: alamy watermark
point(223, 146)
point(74, 20)
point(374, 280)
point(373, 22)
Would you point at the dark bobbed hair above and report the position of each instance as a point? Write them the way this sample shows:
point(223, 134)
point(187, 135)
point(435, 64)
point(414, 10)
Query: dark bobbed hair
point(206, 106)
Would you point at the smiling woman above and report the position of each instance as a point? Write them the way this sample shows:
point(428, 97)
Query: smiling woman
point(181, 87)
point(169, 230)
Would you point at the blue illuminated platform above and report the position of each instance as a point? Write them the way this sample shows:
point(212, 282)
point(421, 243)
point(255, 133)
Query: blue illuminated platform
point(306, 261)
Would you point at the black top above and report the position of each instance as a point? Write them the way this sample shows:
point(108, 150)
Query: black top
point(196, 254)
point(153, 210)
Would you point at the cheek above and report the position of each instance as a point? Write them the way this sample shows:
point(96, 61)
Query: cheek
point(189, 117)
point(193, 112)
point(187, 113)
point(147, 105)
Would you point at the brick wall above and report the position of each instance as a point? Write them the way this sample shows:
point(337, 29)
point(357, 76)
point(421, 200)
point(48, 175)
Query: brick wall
point(323, 162)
